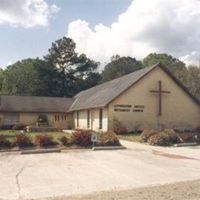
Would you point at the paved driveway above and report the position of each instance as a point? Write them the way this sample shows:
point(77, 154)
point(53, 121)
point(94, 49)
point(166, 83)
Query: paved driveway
point(82, 172)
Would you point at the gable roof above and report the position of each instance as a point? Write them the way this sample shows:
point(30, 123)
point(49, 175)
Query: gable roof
point(34, 104)
point(101, 95)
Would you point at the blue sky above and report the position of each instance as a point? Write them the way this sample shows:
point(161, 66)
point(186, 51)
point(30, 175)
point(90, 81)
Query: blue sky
point(19, 42)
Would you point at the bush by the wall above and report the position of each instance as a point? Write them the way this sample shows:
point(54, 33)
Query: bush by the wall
point(22, 140)
point(118, 127)
point(19, 127)
point(64, 140)
point(188, 137)
point(4, 143)
point(108, 138)
point(44, 140)
point(81, 137)
point(160, 139)
point(6, 127)
point(174, 137)
point(147, 133)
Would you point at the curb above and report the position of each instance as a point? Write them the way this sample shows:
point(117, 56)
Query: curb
point(38, 151)
point(108, 148)
point(186, 144)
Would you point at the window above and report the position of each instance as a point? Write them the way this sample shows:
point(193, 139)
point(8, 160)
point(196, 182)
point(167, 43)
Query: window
point(77, 118)
point(55, 117)
point(88, 119)
point(100, 118)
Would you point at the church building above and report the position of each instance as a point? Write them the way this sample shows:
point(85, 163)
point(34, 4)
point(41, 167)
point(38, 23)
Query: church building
point(148, 98)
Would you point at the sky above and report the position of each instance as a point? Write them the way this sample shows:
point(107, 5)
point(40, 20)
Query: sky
point(100, 28)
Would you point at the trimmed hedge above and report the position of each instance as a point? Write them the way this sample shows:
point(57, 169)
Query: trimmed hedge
point(45, 140)
point(22, 140)
point(108, 138)
point(4, 143)
point(82, 138)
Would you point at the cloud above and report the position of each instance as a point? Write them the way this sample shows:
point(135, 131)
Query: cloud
point(160, 26)
point(26, 13)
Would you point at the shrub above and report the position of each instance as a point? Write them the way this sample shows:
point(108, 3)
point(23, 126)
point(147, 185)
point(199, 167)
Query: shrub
point(19, 127)
point(82, 138)
point(187, 137)
point(64, 140)
point(173, 136)
point(160, 139)
point(118, 127)
point(44, 140)
point(197, 138)
point(6, 127)
point(108, 138)
point(120, 130)
point(22, 140)
point(147, 133)
point(4, 143)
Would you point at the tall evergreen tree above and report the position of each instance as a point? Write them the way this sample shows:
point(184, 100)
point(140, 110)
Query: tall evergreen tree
point(75, 69)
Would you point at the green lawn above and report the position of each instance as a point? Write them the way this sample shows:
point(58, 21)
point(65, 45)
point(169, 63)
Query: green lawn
point(133, 137)
point(10, 134)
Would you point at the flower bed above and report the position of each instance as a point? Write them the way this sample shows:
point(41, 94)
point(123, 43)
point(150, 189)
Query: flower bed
point(169, 137)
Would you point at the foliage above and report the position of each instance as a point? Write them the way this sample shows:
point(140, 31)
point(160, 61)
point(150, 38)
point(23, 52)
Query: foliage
point(193, 80)
point(31, 77)
point(76, 71)
point(44, 140)
point(174, 137)
point(19, 126)
point(187, 137)
point(147, 133)
point(118, 127)
point(176, 66)
point(81, 137)
point(120, 66)
point(160, 139)
point(64, 140)
point(6, 127)
point(22, 140)
point(4, 143)
point(108, 138)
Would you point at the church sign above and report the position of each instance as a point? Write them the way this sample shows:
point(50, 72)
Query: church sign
point(122, 108)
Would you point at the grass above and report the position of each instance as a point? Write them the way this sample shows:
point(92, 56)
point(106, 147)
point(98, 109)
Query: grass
point(10, 134)
point(133, 137)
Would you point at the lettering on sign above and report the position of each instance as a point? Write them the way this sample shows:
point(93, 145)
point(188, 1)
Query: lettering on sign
point(138, 108)
point(122, 108)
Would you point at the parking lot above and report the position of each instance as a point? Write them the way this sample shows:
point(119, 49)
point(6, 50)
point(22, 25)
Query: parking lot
point(82, 172)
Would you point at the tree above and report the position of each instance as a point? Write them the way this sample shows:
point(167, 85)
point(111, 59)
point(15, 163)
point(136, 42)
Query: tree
point(177, 67)
point(75, 69)
point(193, 80)
point(120, 66)
point(31, 77)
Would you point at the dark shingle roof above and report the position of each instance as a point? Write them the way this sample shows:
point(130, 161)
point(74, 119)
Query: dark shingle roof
point(102, 95)
point(35, 104)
